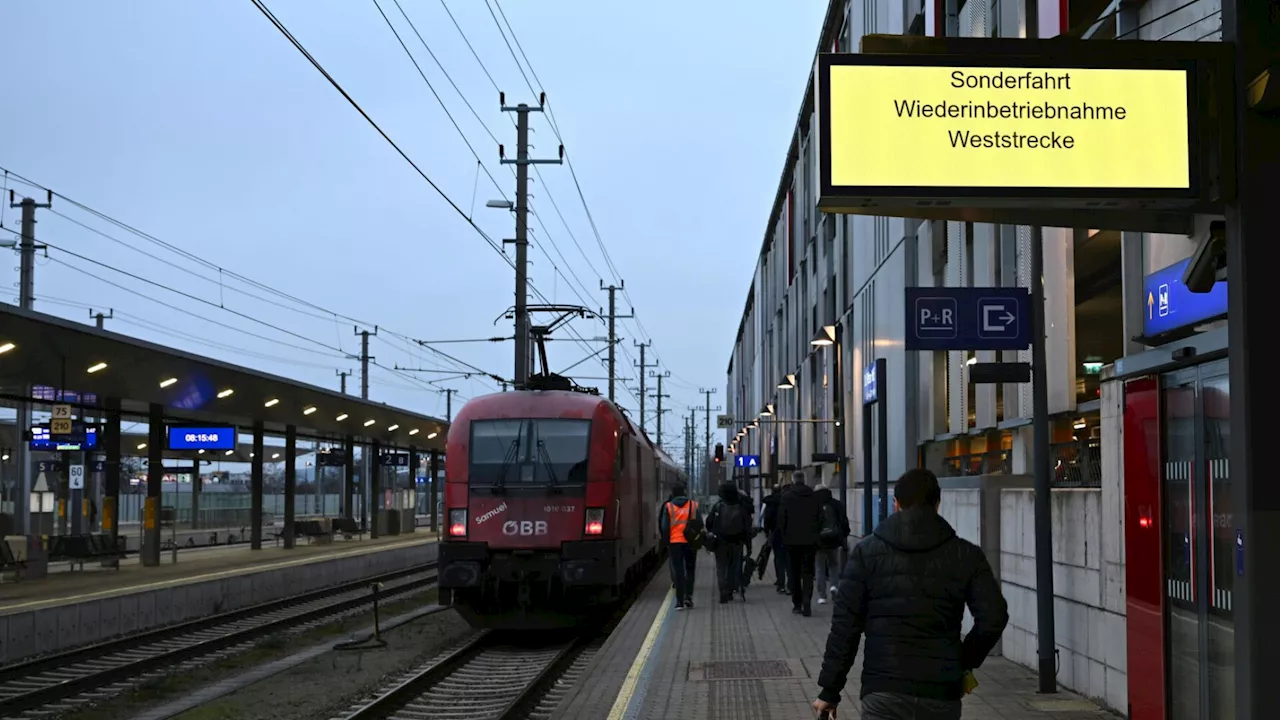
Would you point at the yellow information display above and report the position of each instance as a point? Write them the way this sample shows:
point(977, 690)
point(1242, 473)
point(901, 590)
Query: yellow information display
point(908, 126)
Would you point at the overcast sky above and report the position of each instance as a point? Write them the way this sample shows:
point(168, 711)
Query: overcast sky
point(200, 125)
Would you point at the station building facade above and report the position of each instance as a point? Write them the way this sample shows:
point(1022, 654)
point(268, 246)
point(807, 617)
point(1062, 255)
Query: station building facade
point(1119, 406)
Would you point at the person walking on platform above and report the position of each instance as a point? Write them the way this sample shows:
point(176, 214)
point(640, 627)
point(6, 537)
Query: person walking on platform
point(730, 524)
point(905, 587)
point(831, 540)
point(800, 524)
point(680, 524)
point(772, 508)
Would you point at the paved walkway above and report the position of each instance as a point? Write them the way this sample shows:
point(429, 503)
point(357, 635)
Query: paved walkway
point(758, 661)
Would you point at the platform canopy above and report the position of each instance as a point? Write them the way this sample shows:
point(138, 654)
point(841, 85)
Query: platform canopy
point(54, 352)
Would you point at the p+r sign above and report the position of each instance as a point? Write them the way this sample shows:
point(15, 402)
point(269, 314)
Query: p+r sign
point(943, 318)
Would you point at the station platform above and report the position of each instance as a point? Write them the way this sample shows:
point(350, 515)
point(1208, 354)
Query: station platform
point(70, 609)
point(755, 660)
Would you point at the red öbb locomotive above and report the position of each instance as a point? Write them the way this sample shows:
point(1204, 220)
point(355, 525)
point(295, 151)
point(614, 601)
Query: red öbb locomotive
point(551, 501)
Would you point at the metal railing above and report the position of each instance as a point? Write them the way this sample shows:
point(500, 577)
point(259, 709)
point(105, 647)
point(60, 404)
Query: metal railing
point(994, 463)
point(1077, 464)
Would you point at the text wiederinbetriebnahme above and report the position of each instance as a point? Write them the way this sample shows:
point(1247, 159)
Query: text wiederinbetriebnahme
point(1010, 110)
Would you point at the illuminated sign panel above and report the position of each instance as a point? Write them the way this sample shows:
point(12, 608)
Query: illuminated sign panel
point(933, 126)
point(202, 438)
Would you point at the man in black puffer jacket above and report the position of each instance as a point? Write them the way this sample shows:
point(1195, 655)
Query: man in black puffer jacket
point(905, 587)
point(800, 524)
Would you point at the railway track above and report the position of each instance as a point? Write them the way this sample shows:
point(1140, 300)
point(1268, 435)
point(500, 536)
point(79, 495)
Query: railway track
point(64, 681)
point(489, 676)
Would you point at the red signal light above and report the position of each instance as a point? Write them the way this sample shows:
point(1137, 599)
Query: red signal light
point(458, 522)
point(594, 522)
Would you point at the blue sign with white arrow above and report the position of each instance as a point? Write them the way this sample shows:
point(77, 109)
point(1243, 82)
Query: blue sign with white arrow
point(1171, 306)
point(747, 461)
point(946, 318)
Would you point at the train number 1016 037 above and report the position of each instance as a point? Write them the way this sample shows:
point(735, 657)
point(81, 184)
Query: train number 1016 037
point(559, 508)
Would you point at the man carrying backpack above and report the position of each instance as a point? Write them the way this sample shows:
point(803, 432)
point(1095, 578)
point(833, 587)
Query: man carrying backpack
point(832, 536)
point(680, 523)
point(730, 523)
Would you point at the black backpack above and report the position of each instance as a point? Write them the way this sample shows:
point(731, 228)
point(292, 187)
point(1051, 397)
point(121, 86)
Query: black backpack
point(832, 532)
point(694, 530)
point(732, 523)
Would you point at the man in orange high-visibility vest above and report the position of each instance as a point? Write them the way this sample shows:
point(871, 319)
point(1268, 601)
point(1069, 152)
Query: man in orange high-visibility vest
point(678, 515)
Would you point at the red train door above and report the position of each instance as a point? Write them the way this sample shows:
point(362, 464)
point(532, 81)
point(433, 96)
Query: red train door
point(1180, 545)
point(1144, 574)
point(1199, 548)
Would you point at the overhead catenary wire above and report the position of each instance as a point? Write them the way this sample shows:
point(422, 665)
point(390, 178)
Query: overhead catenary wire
point(316, 64)
point(642, 331)
point(639, 325)
point(556, 268)
point(328, 314)
point(335, 352)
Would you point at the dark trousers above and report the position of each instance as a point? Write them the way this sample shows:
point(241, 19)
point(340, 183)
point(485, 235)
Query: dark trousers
point(729, 569)
point(802, 560)
point(683, 562)
point(896, 706)
point(780, 563)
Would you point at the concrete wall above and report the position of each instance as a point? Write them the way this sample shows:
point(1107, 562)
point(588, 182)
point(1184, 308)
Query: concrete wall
point(1088, 569)
point(55, 629)
point(1088, 606)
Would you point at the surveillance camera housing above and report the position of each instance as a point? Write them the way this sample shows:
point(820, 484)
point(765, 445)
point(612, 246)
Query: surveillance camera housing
point(1209, 261)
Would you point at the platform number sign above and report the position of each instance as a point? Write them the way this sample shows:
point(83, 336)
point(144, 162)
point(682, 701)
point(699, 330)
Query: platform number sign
point(76, 477)
point(61, 422)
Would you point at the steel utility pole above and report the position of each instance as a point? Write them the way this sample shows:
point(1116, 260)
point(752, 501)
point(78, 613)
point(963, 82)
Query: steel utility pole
point(522, 163)
point(708, 409)
point(365, 357)
point(688, 451)
point(100, 319)
point(644, 393)
point(693, 445)
point(448, 403)
point(367, 467)
point(614, 317)
point(660, 396)
point(27, 247)
point(343, 374)
point(1046, 635)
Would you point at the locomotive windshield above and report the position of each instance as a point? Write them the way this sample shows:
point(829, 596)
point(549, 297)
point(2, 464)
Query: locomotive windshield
point(517, 453)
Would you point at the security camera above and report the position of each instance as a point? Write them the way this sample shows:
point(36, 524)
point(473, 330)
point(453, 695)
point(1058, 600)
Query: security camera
point(1209, 262)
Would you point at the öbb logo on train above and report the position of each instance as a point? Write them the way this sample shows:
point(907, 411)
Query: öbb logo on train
point(524, 528)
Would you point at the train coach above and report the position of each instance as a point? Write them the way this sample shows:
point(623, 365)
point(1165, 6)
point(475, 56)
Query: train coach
point(551, 501)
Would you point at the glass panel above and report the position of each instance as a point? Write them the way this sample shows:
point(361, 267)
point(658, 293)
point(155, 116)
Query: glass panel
point(1180, 538)
point(524, 452)
point(1216, 394)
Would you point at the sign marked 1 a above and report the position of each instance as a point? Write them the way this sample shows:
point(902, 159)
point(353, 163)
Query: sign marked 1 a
point(747, 461)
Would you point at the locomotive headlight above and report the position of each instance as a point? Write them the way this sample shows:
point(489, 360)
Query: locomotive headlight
point(458, 522)
point(595, 521)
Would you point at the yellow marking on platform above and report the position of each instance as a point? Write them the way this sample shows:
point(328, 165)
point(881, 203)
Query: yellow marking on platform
point(192, 579)
point(642, 658)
